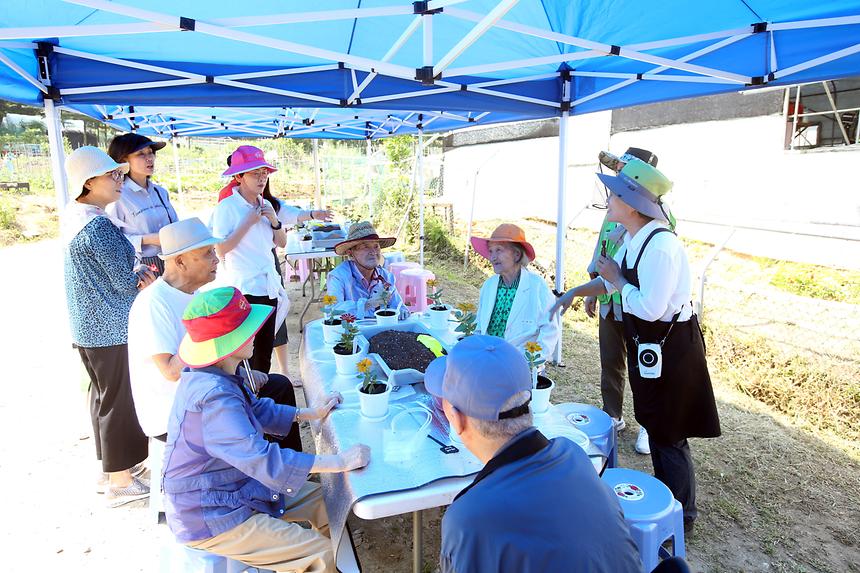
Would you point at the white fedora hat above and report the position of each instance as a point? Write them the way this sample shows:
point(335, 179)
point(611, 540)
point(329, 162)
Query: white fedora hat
point(87, 162)
point(183, 236)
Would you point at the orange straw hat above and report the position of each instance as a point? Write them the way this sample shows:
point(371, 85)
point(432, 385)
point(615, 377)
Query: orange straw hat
point(504, 233)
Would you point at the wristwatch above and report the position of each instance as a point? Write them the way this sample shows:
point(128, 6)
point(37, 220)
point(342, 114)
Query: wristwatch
point(274, 228)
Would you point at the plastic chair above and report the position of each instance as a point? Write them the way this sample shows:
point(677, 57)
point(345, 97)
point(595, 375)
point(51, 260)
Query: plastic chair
point(156, 463)
point(390, 258)
point(177, 557)
point(597, 425)
point(397, 268)
point(413, 288)
point(650, 511)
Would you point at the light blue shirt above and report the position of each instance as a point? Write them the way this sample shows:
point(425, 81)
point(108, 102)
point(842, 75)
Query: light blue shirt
point(218, 467)
point(352, 290)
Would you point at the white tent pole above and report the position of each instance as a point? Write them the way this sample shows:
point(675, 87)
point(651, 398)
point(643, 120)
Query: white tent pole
point(55, 142)
point(176, 168)
point(561, 218)
point(317, 191)
point(368, 178)
point(420, 151)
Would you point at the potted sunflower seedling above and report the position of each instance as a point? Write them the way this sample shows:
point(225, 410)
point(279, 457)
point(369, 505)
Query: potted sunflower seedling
point(438, 313)
point(467, 320)
point(332, 324)
point(541, 385)
point(372, 393)
point(385, 315)
point(351, 348)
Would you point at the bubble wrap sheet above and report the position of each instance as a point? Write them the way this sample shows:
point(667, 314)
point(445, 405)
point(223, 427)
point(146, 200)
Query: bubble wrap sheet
point(346, 426)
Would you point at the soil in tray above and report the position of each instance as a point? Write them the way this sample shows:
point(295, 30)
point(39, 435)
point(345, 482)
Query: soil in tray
point(385, 313)
point(543, 382)
point(438, 307)
point(401, 350)
point(333, 322)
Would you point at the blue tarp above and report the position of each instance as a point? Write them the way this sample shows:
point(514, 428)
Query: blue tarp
point(612, 49)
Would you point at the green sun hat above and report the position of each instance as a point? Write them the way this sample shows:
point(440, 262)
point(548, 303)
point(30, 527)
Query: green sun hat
point(218, 323)
point(641, 186)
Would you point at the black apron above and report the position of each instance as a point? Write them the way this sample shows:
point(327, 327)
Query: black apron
point(680, 403)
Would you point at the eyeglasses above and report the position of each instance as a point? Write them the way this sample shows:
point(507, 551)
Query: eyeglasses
point(259, 173)
point(116, 174)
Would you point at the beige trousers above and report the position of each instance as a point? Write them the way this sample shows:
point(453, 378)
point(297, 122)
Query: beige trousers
point(271, 543)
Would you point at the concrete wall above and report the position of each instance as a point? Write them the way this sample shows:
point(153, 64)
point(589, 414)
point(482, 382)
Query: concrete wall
point(727, 173)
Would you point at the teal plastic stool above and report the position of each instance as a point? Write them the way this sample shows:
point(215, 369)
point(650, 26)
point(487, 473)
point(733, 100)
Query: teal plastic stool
point(651, 512)
point(594, 423)
point(177, 557)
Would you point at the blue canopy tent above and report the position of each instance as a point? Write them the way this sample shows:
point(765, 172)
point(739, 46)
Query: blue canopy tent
point(160, 66)
point(153, 65)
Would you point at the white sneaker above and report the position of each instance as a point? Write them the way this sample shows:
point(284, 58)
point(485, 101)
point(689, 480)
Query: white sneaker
point(620, 424)
point(642, 445)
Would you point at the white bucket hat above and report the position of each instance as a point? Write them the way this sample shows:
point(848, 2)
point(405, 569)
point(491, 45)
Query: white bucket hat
point(183, 236)
point(87, 162)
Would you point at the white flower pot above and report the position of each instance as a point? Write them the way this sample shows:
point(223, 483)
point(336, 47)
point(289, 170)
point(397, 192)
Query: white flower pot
point(439, 318)
point(383, 320)
point(306, 246)
point(373, 405)
point(540, 398)
point(332, 332)
point(347, 364)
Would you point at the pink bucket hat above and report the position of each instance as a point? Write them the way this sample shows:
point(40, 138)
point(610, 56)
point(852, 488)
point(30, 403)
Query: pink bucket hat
point(247, 158)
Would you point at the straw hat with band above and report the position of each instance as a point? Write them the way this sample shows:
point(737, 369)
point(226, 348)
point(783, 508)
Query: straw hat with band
point(504, 233)
point(218, 323)
point(360, 232)
point(87, 162)
point(641, 186)
point(183, 236)
point(247, 158)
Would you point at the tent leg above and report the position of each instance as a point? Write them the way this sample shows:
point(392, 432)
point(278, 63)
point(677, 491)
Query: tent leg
point(421, 195)
point(55, 143)
point(561, 220)
point(176, 168)
point(317, 191)
point(368, 180)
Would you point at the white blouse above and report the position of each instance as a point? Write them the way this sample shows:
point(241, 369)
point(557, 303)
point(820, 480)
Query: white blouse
point(664, 276)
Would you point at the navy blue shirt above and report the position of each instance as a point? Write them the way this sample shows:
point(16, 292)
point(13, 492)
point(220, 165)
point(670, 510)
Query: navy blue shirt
point(548, 511)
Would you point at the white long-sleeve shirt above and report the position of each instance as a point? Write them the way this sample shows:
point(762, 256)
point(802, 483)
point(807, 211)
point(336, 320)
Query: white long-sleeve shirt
point(664, 276)
point(144, 211)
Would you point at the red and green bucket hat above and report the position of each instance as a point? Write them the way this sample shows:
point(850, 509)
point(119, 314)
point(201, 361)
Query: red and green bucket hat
point(219, 322)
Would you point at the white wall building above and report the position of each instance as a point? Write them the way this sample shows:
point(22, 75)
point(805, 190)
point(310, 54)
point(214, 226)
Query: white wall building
point(726, 154)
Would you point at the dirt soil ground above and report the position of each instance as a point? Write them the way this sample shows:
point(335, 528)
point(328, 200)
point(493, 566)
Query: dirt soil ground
point(774, 495)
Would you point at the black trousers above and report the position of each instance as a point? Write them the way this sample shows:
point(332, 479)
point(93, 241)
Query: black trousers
point(613, 364)
point(673, 465)
point(265, 340)
point(120, 443)
point(279, 389)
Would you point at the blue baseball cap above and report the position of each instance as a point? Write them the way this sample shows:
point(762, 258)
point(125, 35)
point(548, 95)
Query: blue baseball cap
point(479, 375)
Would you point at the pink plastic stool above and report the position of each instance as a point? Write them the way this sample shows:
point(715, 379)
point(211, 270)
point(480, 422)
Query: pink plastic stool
point(413, 288)
point(397, 268)
point(303, 268)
